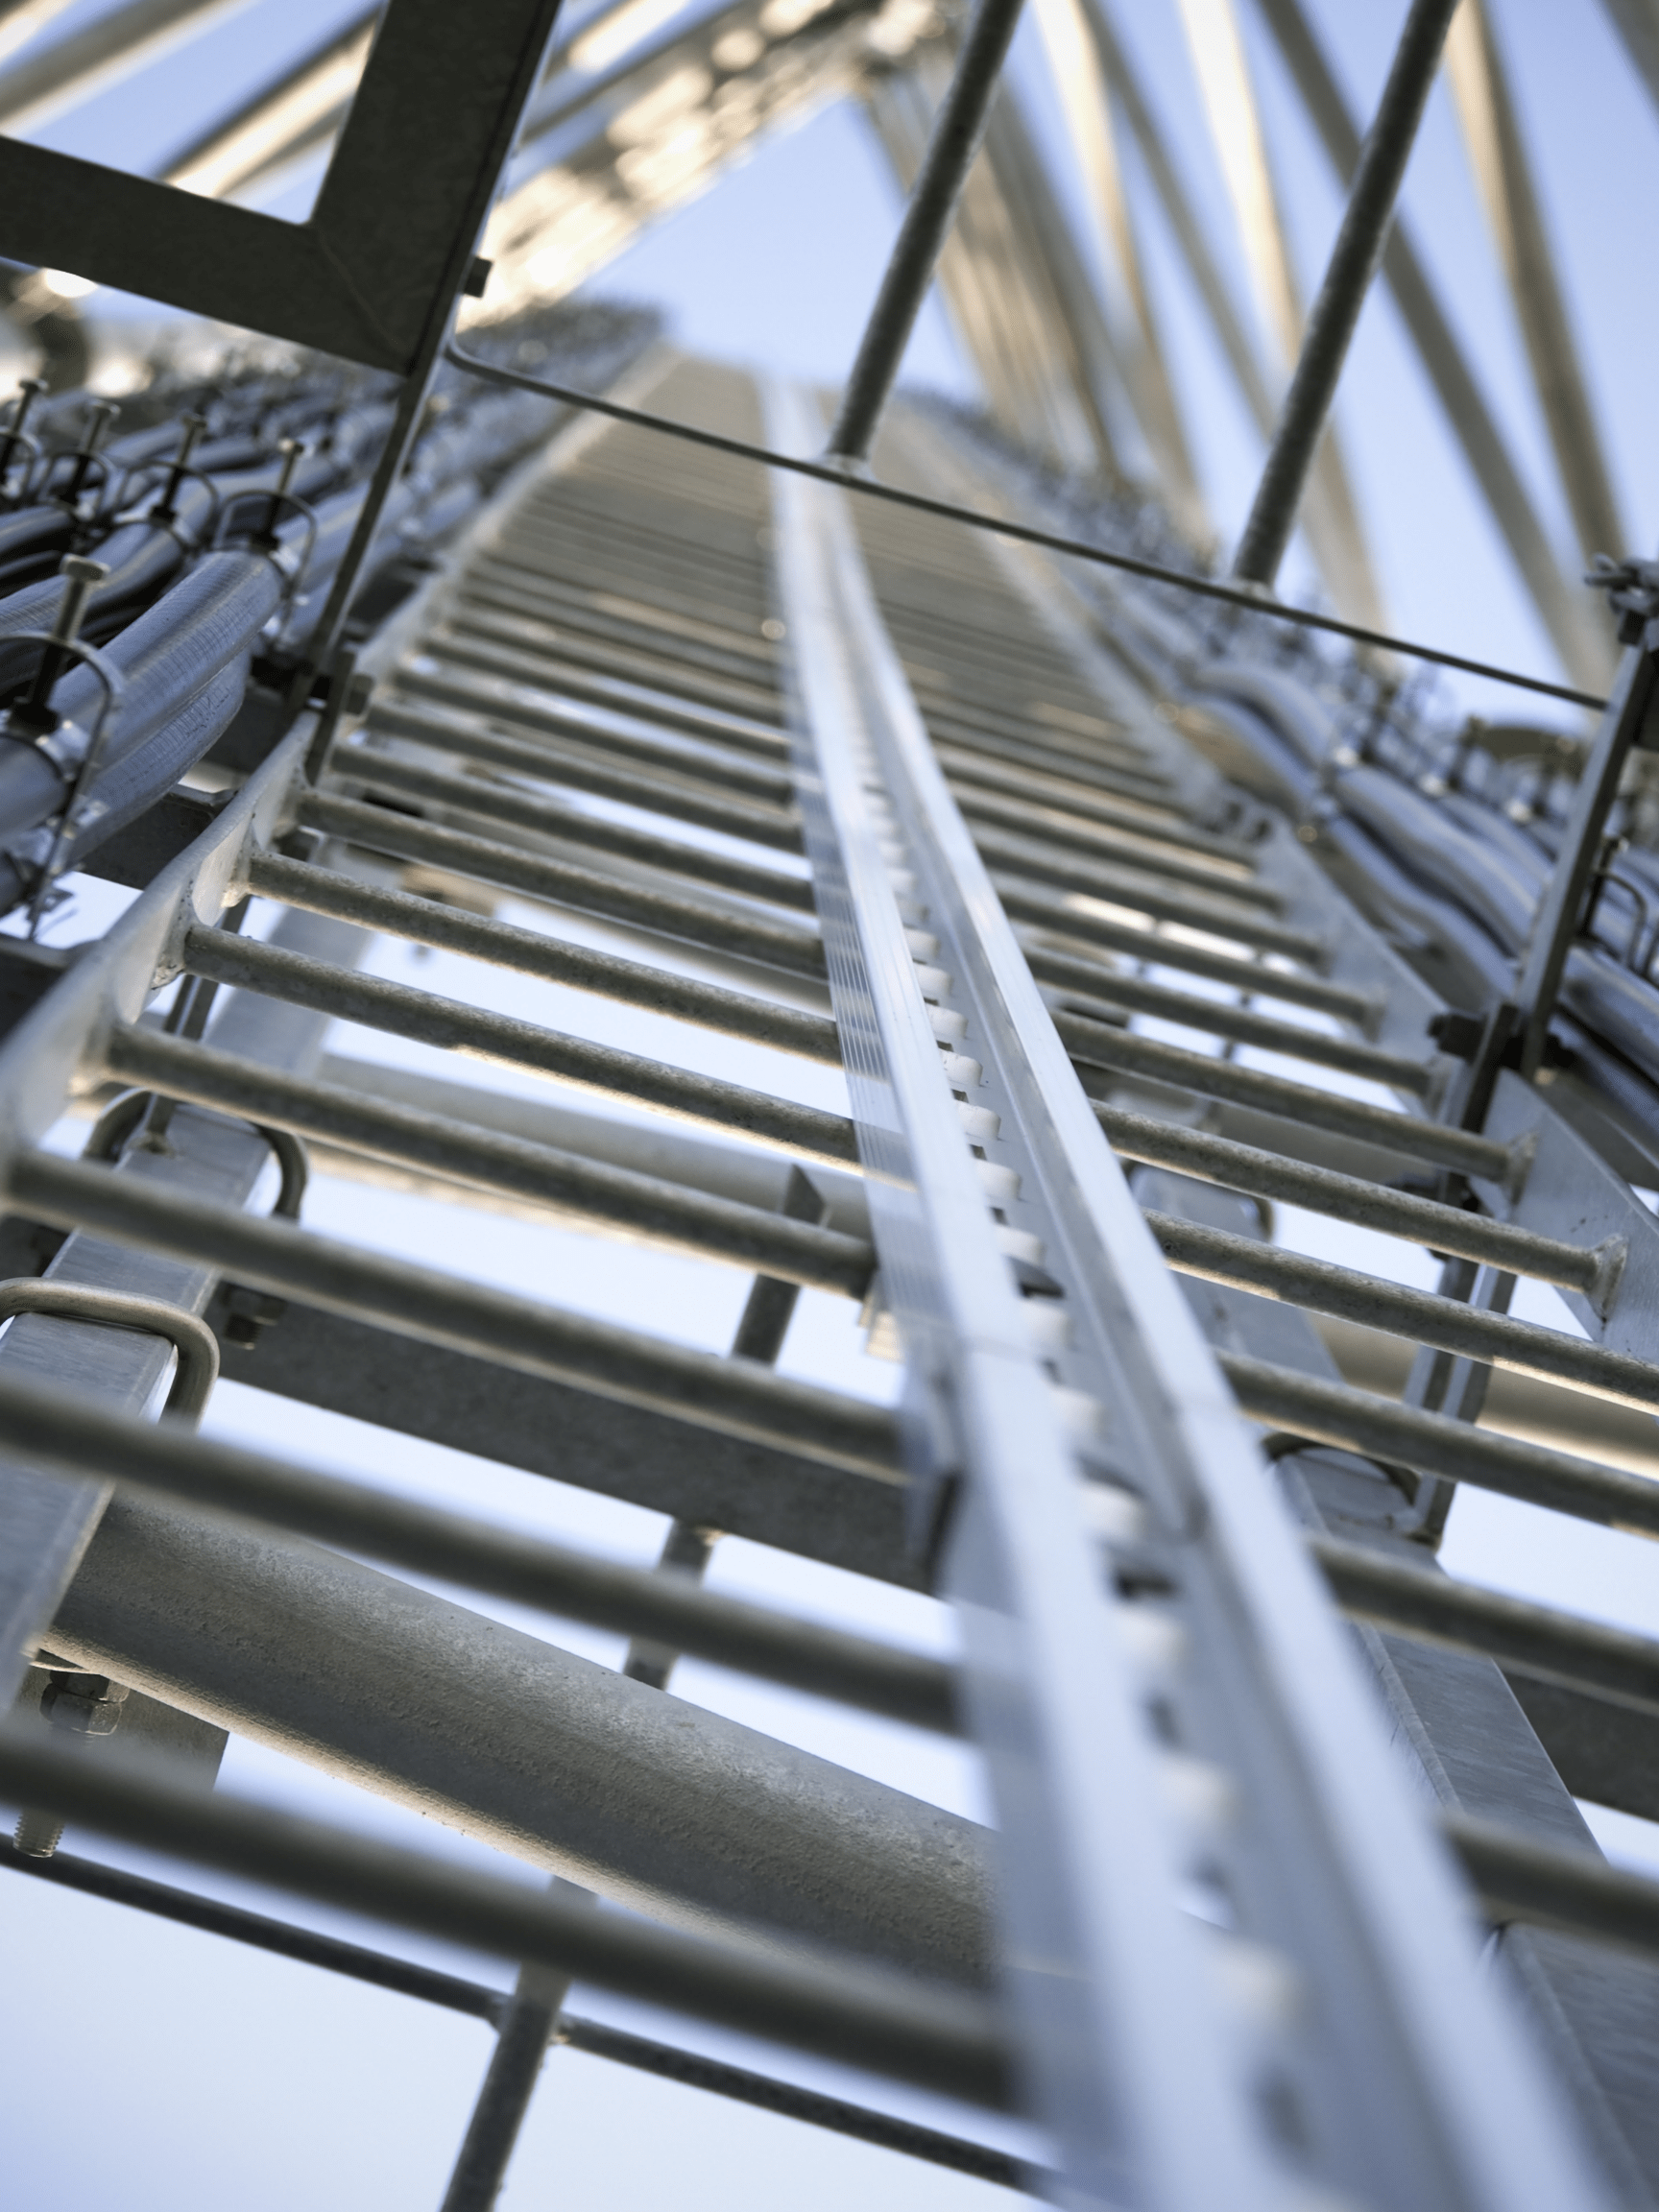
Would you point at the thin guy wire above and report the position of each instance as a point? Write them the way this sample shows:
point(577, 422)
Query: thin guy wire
point(828, 473)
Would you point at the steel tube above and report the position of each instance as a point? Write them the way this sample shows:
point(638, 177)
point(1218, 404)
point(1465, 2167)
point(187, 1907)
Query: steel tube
point(734, 1397)
point(1352, 263)
point(573, 615)
point(478, 636)
point(625, 716)
point(1222, 912)
point(1068, 842)
point(952, 146)
point(1109, 993)
point(1434, 1444)
point(940, 2040)
point(553, 818)
point(446, 1022)
point(669, 1214)
point(595, 2038)
point(1092, 826)
point(1247, 1263)
point(1444, 361)
point(1517, 1879)
point(792, 946)
point(1095, 1044)
point(1369, 1205)
point(1051, 963)
point(1558, 1647)
point(591, 766)
point(260, 1931)
point(1019, 749)
point(510, 2081)
point(319, 890)
point(1070, 795)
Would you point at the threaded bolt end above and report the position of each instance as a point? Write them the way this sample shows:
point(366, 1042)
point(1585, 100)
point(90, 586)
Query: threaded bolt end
point(36, 1835)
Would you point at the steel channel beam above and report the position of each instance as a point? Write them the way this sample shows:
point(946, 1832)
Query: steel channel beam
point(318, 890)
point(1089, 1803)
point(939, 2039)
point(453, 1026)
point(790, 947)
point(664, 1213)
point(1322, 1751)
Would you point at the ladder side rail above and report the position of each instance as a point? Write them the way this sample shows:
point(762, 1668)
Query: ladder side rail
point(1353, 1831)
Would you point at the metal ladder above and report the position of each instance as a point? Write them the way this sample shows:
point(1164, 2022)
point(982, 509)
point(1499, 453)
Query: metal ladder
point(772, 746)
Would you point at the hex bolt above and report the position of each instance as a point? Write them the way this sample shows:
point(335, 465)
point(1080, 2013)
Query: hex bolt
point(75, 1705)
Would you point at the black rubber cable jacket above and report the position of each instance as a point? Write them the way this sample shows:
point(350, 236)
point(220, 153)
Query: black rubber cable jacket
point(31, 544)
point(135, 784)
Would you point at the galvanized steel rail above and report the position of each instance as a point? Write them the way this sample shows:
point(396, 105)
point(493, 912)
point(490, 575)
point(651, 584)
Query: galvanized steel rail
point(872, 802)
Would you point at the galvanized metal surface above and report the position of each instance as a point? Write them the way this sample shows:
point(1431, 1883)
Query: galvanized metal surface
point(1138, 1605)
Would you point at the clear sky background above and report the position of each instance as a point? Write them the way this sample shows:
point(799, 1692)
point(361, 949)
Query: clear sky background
point(226, 2079)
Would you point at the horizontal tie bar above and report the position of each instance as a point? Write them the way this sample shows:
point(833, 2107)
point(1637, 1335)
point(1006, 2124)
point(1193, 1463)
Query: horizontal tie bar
point(1247, 1263)
point(733, 1397)
point(555, 818)
point(1419, 1600)
point(938, 2040)
point(754, 1237)
point(1442, 1229)
point(428, 1020)
point(1434, 1444)
point(1245, 1027)
point(586, 761)
point(321, 890)
point(161, 1459)
point(1096, 1045)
